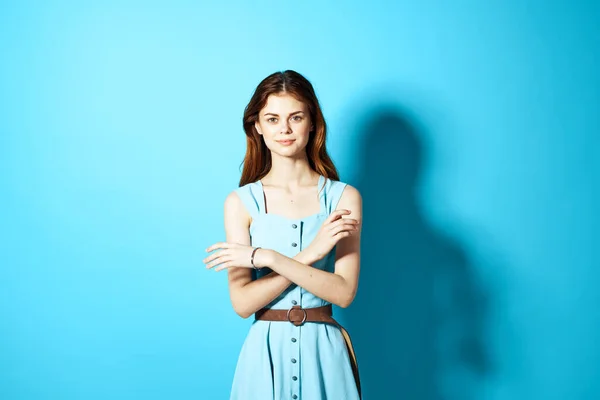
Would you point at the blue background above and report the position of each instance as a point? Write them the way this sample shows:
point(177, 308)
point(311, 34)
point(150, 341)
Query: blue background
point(471, 129)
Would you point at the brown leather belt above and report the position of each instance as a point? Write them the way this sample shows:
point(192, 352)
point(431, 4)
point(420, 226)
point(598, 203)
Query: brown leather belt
point(298, 316)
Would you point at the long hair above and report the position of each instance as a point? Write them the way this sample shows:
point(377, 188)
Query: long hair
point(257, 161)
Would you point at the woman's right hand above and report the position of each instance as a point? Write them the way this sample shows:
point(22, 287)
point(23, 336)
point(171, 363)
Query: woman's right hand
point(332, 231)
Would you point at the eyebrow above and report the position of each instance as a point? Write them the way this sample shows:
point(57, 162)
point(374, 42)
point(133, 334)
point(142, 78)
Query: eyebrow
point(294, 113)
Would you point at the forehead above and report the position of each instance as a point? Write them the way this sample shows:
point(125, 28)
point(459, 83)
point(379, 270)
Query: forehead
point(282, 103)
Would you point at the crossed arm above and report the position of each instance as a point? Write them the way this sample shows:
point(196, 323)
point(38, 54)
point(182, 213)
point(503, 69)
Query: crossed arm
point(248, 296)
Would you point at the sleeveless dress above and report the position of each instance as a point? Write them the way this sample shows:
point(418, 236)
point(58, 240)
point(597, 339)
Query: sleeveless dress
point(279, 360)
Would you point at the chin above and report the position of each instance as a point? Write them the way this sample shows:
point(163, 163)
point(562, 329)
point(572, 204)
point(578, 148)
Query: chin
point(291, 151)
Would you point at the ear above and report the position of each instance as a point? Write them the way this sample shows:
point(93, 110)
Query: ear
point(257, 126)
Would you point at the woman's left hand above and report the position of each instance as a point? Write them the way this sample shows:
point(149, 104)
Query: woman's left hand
point(231, 255)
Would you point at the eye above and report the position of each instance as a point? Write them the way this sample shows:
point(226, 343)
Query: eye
point(272, 119)
point(297, 118)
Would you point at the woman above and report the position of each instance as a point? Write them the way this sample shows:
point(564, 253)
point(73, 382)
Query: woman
point(292, 250)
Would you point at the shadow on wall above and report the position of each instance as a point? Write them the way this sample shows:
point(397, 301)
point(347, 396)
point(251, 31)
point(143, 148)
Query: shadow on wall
point(417, 319)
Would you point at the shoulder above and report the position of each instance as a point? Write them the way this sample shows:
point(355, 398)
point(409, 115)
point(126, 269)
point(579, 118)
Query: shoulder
point(346, 191)
point(350, 194)
point(351, 199)
point(234, 204)
point(233, 199)
point(239, 194)
point(237, 219)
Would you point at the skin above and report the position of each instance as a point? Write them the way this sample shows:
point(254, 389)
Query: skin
point(290, 188)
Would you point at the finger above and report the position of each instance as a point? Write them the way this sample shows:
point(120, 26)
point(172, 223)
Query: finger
point(337, 214)
point(223, 266)
point(350, 227)
point(217, 254)
point(341, 235)
point(220, 245)
point(217, 261)
point(343, 221)
point(344, 228)
point(347, 221)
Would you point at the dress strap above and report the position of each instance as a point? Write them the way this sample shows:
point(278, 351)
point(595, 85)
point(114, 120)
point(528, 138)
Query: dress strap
point(331, 195)
point(252, 197)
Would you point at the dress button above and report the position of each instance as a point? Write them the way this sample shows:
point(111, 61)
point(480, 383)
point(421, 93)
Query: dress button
point(294, 226)
point(293, 361)
point(294, 244)
point(294, 302)
point(294, 378)
point(294, 397)
point(293, 340)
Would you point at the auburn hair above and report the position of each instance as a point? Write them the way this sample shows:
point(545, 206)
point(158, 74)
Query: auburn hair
point(257, 161)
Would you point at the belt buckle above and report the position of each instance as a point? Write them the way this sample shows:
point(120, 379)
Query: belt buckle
point(297, 308)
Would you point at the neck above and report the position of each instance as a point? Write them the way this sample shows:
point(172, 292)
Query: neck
point(289, 172)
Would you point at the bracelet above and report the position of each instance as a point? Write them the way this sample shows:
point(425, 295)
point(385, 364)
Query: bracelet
point(252, 258)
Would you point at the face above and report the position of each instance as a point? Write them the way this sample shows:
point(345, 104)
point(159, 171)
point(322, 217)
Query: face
point(285, 125)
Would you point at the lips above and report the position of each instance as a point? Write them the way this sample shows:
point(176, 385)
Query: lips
point(286, 142)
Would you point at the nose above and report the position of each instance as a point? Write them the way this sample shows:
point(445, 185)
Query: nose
point(286, 128)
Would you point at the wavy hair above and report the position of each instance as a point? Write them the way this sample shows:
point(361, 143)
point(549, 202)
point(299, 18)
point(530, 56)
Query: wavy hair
point(257, 161)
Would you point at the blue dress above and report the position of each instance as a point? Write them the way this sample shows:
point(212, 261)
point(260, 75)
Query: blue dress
point(279, 360)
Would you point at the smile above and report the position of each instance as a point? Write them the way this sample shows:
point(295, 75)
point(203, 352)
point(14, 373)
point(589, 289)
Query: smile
point(286, 142)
